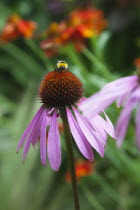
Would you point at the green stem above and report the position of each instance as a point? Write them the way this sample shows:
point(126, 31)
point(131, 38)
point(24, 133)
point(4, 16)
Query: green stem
point(91, 198)
point(70, 156)
point(21, 56)
point(102, 69)
point(74, 56)
point(39, 52)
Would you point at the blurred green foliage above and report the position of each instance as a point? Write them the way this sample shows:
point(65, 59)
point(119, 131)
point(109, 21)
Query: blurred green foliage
point(115, 183)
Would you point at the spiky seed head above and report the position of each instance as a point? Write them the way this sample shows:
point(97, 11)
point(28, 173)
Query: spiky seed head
point(60, 88)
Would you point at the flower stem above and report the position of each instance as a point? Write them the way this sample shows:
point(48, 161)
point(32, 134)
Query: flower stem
point(39, 52)
point(70, 157)
point(102, 69)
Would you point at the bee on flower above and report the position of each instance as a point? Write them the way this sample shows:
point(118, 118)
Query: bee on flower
point(59, 92)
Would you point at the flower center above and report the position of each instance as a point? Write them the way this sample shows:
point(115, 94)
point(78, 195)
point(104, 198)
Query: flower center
point(60, 88)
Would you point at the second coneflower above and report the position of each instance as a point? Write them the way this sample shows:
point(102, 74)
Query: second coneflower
point(126, 91)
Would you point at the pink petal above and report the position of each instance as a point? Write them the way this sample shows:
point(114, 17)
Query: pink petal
point(124, 118)
point(38, 127)
point(136, 94)
point(97, 105)
point(84, 104)
point(37, 133)
point(80, 139)
point(122, 85)
point(108, 95)
point(53, 146)
point(97, 124)
point(89, 133)
point(138, 128)
point(122, 123)
point(27, 144)
point(103, 127)
point(43, 139)
point(108, 126)
point(121, 100)
point(29, 127)
point(31, 137)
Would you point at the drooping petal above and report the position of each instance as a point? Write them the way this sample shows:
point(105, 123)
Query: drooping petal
point(84, 104)
point(43, 139)
point(31, 136)
point(97, 105)
point(89, 133)
point(29, 127)
point(122, 99)
point(103, 127)
point(79, 138)
point(27, 144)
point(98, 126)
point(138, 128)
point(37, 133)
point(136, 94)
point(122, 85)
point(53, 146)
point(108, 126)
point(122, 124)
point(38, 127)
point(108, 95)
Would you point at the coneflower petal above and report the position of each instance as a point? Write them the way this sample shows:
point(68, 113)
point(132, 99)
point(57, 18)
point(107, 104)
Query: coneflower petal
point(43, 138)
point(97, 124)
point(31, 136)
point(79, 138)
point(37, 133)
point(29, 128)
point(122, 85)
point(108, 95)
point(97, 105)
point(108, 126)
point(122, 123)
point(138, 128)
point(89, 133)
point(53, 146)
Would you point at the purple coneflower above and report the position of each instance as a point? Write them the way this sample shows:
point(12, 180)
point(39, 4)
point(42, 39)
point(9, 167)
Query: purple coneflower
point(126, 91)
point(59, 92)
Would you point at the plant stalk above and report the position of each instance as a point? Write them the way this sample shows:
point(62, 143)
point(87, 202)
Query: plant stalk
point(69, 146)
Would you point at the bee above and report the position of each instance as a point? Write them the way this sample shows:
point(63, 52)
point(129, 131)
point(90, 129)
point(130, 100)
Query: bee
point(61, 65)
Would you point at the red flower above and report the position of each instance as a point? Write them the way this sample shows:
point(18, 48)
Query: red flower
point(17, 27)
point(83, 168)
point(137, 62)
point(80, 25)
point(49, 46)
point(90, 20)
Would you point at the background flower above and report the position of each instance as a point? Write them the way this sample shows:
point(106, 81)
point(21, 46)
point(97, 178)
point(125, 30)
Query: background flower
point(81, 24)
point(16, 27)
point(83, 169)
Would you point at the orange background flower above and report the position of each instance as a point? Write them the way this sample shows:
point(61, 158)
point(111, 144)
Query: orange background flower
point(83, 168)
point(17, 27)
